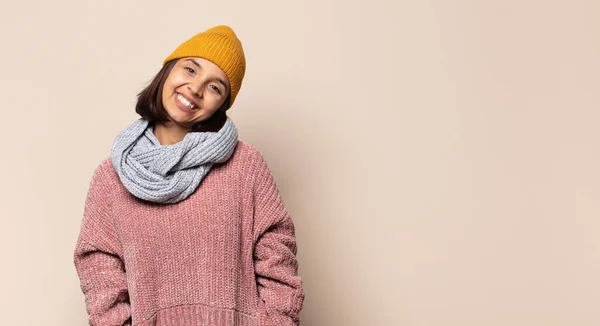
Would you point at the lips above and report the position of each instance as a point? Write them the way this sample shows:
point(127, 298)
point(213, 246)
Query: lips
point(186, 101)
point(185, 105)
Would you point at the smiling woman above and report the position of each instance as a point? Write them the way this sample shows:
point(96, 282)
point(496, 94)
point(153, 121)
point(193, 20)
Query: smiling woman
point(194, 90)
point(183, 223)
point(189, 81)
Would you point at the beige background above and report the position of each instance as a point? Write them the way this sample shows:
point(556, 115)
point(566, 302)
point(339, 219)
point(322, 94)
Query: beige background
point(441, 158)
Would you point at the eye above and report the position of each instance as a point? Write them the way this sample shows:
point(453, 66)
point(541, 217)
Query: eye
point(190, 70)
point(215, 89)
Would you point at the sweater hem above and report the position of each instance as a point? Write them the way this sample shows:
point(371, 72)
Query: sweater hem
point(199, 315)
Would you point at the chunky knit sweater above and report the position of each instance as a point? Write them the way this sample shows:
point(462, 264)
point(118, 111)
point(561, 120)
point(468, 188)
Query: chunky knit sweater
point(224, 256)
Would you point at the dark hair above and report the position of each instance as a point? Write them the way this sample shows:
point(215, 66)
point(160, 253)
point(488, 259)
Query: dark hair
point(149, 104)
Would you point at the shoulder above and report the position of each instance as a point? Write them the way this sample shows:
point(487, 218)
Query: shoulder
point(248, 153)
point(246, 148)
point(105, 173)
point(247, 160)
point(102, 185)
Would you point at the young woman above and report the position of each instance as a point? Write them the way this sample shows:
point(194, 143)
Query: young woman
point(183, 223)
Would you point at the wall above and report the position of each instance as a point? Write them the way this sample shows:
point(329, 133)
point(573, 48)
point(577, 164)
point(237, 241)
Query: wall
point(440, 158)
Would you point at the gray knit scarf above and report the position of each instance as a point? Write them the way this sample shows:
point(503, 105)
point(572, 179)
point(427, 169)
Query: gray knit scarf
point(168, 173)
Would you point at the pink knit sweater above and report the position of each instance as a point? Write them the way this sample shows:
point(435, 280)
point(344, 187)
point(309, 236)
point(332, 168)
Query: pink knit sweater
point(226, 255)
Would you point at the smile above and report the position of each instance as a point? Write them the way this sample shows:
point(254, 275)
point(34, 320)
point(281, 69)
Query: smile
point(185, 102)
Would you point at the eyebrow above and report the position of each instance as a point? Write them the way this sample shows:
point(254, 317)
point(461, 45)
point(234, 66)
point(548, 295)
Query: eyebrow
point(221, 81)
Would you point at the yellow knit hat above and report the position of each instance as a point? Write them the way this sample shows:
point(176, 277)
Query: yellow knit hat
point(221, 46)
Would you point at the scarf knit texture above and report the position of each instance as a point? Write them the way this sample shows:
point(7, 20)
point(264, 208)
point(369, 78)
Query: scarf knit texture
point(224, 256)
point(168, 173)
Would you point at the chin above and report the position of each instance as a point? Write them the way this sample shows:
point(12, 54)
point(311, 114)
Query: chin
point(184, 121)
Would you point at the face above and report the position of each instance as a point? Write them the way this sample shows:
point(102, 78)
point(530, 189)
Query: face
point(193, 91)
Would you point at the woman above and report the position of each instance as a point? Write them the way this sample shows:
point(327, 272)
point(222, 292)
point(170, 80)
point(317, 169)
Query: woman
point(183, 224)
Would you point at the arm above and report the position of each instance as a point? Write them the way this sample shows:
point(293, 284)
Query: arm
point(97, 258)
point(280, 289)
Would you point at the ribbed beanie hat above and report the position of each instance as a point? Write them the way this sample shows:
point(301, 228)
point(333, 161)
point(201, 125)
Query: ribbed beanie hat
point(221, 46)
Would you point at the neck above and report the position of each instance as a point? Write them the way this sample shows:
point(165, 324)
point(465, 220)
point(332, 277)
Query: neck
point(169, 133)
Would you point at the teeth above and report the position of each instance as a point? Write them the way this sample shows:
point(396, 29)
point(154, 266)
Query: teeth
point(184, 101)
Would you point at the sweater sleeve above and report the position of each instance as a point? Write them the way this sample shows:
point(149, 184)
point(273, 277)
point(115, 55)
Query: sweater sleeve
point(98, 259)
point(280, 290)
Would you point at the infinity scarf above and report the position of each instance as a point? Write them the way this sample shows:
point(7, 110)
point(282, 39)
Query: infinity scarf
point(168, 173)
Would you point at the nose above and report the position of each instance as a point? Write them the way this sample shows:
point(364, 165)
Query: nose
point(195, 88)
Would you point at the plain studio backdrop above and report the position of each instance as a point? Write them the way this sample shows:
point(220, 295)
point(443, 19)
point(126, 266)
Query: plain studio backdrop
point(440, 158)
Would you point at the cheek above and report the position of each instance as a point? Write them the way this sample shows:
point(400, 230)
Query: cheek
point(166, 88)
point(217, 103)
point(172, 82)
point(165, 94)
